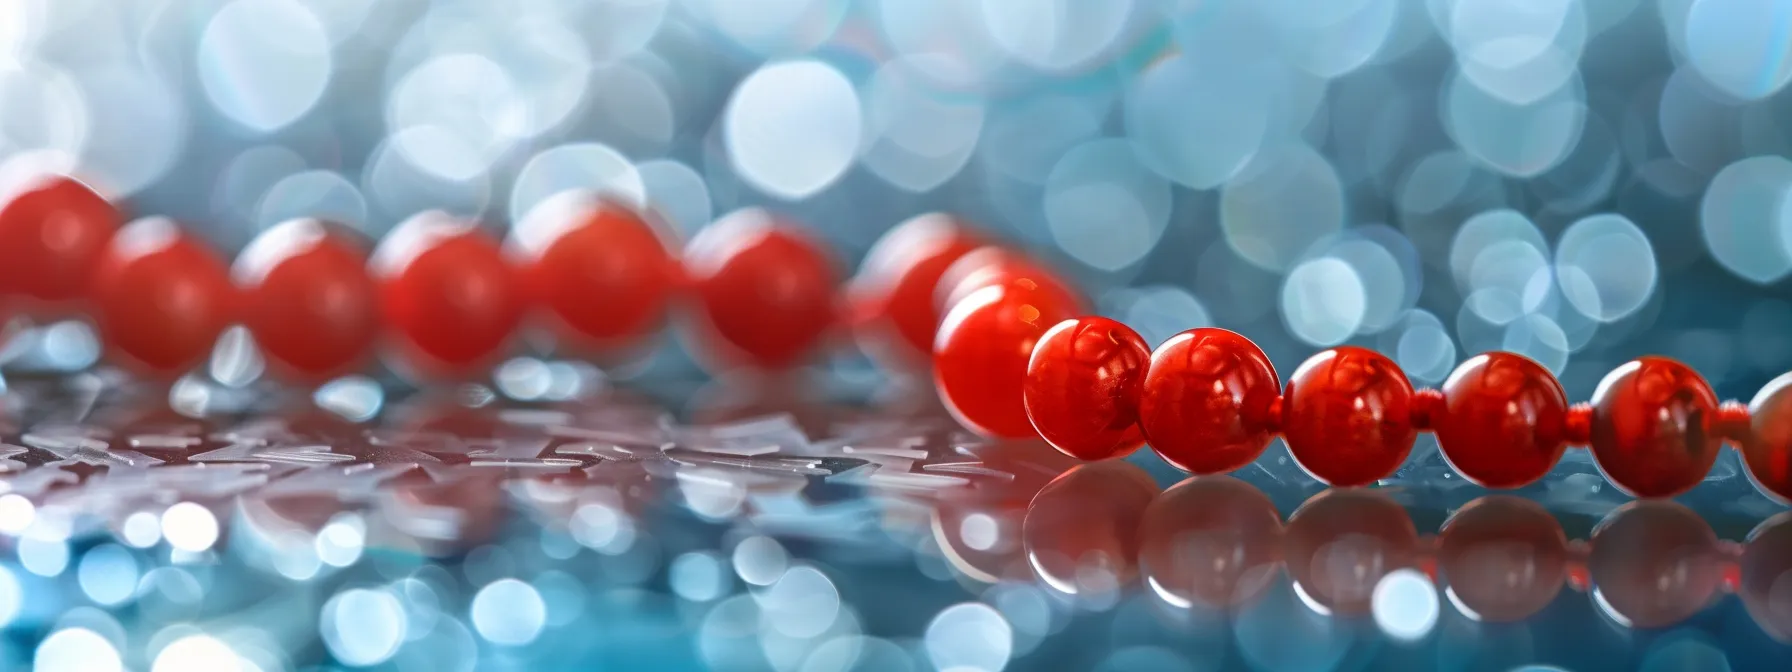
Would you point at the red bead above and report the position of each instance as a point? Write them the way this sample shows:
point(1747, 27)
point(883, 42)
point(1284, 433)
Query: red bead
point(449, 299)
point(1505, 558)
point(764, 287)
point(1208, 400)
point(53, 234)
point(599, 269)
point(990, 266)
point(1767, 448)
point(892, 296)
point(1347, 416)
point(1652, 430)
point(1082, 387)
point(307, 299)
point(160, 297)
point(1501, 421)
point(980, 355)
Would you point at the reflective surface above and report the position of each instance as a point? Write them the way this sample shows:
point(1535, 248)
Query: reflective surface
point(462, 531)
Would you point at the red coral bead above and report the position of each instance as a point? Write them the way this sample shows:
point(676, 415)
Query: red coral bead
point(307, 299)
point(764, 287)
point(1207, 401)
point(1082, 387)
point(53, 234)
point(1652, 427)
point(984, 344)
point(1347, 416)
point(1767, 449)
point(1501, 421)
point(161, 298)
point(599, 268)
point(892, 297)
point(449, 299)
point(987, 266)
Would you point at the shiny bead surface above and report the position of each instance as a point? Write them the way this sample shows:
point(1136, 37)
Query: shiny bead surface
point(1501, 421)
point(53, 234)
point(450, 301)
point(981, 353)
point(598, 270)
point(764, 288)
point(1347, 416)
point(1767, 450)
point(892, 296)
point(1082, 387)
point(1652, 427)
point(161, 298)
point(1207, 400)
point(307, 299)
point(987, 266)
point(1505, 558)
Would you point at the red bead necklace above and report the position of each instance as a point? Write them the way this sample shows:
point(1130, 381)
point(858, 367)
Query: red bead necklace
point(1009, 355)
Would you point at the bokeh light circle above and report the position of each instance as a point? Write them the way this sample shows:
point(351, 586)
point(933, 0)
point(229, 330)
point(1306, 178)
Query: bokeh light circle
point(792, 128)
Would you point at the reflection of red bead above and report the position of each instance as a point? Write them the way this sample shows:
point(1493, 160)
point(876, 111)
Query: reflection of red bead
point(1766, 568)
point(1768, 446)
point(1501, 422)
point(1341, 543)
point(1505, 558)
point(53, 233)
point(980, 355)
point(1207, 400)
point(1081, 531)
point(307, 299)
point(597, 267)
point(766, 289)
point(448, 297)
point(1654, 564)
point(1082, 387)
point(893, 294)
point(1210, 540)
point(1347, 416)
point(990, 266)
point(161, 297)
point(1652, 429)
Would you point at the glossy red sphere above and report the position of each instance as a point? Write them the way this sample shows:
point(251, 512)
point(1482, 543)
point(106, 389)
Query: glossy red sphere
point(449, 299)
point(1082, 387)
point(53, 234)
point(1347, 416)
point(1339, 545)
point(892, 296)
point(1767, 449)
point(1210, 540)
point(991, 265)
point(764, 288)
point(307, 299)
point(161, 298)
point(597, 268)
point(1505, 558)
point(981, 353)
point(1654, 564)
point(1653, 427)
point(1207, 401)
point(1501, 422)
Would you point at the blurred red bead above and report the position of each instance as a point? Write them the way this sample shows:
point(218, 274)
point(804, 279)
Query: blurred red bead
point(1501, 421)
point(1767, 449)
point(1207, 401)
point(53, 234)
point(307, 299)
point(1341, 543)
point(1652, 430)
point(1505, 558)
point(1654, 564)
point(892, 296)
point(161, 298)
point(1211, 540)
point(599, 268)
point(449, 299)
point(1082, 387)
point(987, 266)
point(980, 355)
point(764, 288)
point(1347, 416)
